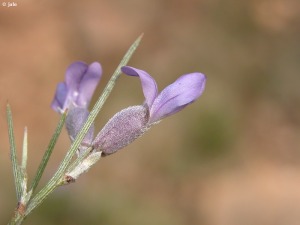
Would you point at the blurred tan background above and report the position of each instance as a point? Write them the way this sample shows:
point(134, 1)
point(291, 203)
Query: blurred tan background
point(230, 158)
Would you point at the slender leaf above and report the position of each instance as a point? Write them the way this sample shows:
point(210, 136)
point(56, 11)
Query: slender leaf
point(13, 154)
point(23, 172)
point(48, 152)
point(24, 150)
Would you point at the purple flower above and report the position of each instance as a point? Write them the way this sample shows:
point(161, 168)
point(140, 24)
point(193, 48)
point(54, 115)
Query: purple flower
point(185, 90)
point(75, 94)
point(132, 122)
point(80, 83)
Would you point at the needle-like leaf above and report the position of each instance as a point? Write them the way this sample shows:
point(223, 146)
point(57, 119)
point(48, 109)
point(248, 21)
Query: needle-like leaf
point(24, 150)
point(13, 154)
point(48, 152)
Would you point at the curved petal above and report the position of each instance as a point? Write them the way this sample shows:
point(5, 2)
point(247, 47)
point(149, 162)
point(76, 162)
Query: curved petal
point(177, 95)
point(74, 75)
point(88, 84)
point(81, 80)
point(58, 103)
point(148, 83)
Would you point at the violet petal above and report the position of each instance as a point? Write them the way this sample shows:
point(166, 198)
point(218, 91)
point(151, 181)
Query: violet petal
point(58, 103)
point(81, 81)
point(177, 95)
point(74, 75)
point(148, 83)
point(88, 84)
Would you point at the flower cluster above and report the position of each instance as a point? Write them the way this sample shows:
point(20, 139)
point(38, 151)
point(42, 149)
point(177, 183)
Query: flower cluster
point(127, 125)
point(72, 99)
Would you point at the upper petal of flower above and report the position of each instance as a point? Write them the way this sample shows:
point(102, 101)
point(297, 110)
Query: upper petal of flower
point(80, 82)
point(88, 84)
point(148, 83)
point(74, 75)
point(177, 95)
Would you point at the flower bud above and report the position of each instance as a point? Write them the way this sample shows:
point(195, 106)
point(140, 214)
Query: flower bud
point(122, 129)
point(75, 120)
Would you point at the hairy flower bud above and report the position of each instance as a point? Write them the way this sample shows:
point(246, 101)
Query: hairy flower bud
point(75, 120)
point(122, 129)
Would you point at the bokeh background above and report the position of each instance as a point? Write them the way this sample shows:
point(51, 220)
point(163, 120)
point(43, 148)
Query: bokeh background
point(230, 158)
